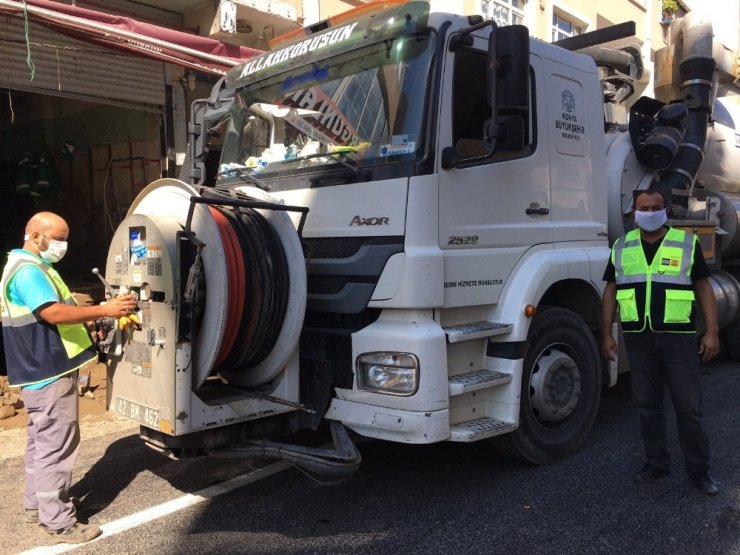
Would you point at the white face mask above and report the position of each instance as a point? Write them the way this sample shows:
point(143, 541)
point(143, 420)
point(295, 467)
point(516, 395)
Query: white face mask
point(651, 221)
point(54, 252)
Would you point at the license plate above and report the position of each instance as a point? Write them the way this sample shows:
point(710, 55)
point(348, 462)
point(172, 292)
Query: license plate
point(143, 415)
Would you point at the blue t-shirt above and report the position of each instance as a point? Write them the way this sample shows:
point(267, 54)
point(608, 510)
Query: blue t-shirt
point(30, 287)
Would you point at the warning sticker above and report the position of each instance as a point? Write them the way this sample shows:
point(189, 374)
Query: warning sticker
point(154, 261)
point(395, 149)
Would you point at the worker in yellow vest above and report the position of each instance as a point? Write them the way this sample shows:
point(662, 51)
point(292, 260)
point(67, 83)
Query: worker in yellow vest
point(654, 274)
point(46, 342)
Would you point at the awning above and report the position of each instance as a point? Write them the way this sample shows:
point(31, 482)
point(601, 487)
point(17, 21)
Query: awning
point(144, 39)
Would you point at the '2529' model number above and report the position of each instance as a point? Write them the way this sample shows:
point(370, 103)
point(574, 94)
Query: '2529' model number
point(463, 240)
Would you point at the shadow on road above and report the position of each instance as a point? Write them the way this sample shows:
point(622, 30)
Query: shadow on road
point(128, 460)
point(467, 498)
point(111, 474)
point(459, 498)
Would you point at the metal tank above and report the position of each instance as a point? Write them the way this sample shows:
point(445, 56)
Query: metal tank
point(719, 174)
point(716, 195)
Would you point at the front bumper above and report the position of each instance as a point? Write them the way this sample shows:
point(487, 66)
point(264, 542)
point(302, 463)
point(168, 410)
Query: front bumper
point(391, 424)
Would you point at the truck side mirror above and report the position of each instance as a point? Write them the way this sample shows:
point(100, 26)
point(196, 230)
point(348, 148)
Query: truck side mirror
point(508, 85)
point(510, 134)
point(507, 92)
point(450, 158)
point(511, 66)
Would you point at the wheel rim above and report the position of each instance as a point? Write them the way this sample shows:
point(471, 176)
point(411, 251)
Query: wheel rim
point(554, 385)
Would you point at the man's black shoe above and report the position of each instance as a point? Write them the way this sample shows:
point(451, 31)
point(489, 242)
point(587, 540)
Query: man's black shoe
point(704, 483)
point(651, 473)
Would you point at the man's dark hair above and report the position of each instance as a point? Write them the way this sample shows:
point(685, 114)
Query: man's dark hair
point(638, 192)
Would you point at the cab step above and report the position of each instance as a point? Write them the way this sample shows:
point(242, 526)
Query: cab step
point(480, 428)
point(475, 330)
point(477, 379)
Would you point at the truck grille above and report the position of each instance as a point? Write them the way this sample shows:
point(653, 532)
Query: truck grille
point(339, 247)
point(343, 271)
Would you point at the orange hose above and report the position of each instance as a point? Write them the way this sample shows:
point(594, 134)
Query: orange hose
point(236, 286)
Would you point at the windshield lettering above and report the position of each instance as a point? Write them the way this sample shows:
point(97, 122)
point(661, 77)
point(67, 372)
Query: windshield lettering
point(325, 115)
point(309, 45)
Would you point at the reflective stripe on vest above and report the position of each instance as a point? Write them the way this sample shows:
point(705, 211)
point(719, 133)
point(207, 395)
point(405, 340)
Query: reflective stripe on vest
point(35, 350)
point(658, 296)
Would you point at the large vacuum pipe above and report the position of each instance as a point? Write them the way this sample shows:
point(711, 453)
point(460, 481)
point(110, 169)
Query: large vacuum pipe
point(620, 71)
point(727, 294)
point(694, 40)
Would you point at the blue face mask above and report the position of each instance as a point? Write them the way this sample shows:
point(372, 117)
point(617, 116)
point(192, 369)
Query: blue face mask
point(651, 221)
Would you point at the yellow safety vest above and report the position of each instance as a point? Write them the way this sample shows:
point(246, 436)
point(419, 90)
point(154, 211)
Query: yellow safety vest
point(36, 351)
point(658, 296)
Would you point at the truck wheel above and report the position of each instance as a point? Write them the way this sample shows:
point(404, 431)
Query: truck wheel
point(561, 389)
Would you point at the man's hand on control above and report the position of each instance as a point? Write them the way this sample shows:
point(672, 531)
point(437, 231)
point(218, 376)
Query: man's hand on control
point(120, 306)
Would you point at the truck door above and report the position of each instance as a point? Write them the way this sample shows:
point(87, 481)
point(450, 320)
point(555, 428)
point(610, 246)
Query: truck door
point(492, 212)
point(575, 128)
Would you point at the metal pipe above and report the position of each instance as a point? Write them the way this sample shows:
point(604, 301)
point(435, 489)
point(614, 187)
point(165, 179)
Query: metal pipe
point(698, 89)
point(727, 293)
point(339, 463)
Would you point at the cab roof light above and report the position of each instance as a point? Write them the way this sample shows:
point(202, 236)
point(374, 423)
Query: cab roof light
point(333, 21)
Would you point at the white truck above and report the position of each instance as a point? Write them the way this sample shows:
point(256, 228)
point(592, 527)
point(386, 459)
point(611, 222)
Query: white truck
point(398, 223)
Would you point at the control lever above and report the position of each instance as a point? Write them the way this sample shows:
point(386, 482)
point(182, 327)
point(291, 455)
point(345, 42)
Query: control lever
point(152, 341)
point(115, 333)
point(108, 287)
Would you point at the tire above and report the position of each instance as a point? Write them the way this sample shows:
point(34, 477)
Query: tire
point(561, 389)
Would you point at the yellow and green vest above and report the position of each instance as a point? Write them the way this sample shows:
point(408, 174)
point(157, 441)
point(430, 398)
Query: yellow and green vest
point(659, 296)
point(36, 351)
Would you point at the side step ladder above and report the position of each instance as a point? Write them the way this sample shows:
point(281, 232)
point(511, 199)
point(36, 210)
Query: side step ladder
point(475, 330)
point(475, 380)
point(481, 428)
point(484, 427)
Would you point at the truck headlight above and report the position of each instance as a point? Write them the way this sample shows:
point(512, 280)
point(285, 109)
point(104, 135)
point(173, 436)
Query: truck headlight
point(392, 373)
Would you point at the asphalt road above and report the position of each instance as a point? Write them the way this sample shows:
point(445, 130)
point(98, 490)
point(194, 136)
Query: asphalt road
point(445, 498)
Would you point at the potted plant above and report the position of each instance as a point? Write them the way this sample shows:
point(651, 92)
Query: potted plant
point(669, 9)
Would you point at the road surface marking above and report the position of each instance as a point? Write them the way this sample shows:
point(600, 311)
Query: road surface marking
point(169, 507)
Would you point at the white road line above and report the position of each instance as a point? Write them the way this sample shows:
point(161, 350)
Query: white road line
point(153, 513)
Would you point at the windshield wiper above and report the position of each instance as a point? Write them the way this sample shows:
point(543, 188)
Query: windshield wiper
point(340, 156)
point(246, 174)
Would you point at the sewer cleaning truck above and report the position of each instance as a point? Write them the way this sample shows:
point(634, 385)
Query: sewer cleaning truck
point(396, 222)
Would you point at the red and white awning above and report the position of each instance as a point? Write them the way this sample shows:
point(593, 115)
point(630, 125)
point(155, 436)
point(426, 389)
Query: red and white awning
point(124, 33)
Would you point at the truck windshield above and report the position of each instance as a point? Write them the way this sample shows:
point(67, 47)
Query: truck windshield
point(360, 108)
